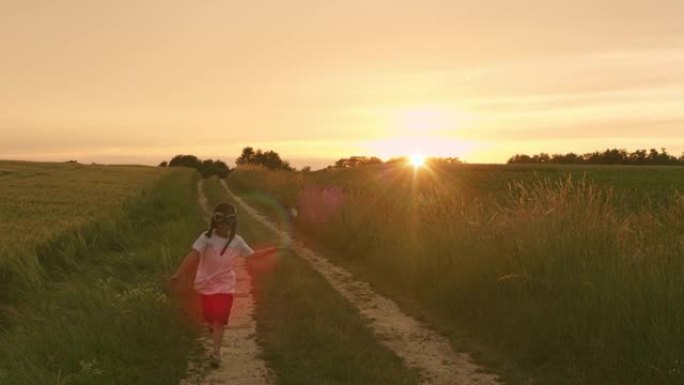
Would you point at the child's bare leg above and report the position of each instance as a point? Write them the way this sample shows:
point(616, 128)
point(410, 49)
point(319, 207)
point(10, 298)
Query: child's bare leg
point(219, 327)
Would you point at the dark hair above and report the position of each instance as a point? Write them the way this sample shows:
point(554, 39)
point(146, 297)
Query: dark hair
point(227, 209)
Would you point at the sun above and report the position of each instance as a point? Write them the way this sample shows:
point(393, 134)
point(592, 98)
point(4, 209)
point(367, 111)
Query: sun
point(417, 160)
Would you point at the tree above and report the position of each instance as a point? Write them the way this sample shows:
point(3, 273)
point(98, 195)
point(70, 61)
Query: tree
point(614, 156)
point(185, 161)
point(541, 158)
point(519, 159)
point(269, 159)
point(163, 164)
point(638, 157)
point(247, 156)
point(357, 161)
point(570, 158)
point(210, 167)
point(206, 168)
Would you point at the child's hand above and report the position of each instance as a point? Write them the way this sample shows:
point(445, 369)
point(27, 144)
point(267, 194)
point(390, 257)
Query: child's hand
point(269, 250)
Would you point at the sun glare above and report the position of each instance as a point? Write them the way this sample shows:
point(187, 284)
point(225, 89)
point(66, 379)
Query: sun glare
point(417, 160)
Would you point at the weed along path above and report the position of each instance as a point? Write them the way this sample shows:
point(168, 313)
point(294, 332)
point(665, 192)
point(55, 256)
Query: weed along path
point(241, 362)
point(420, 347)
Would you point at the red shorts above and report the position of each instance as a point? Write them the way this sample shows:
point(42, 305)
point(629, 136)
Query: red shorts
point(216, 307)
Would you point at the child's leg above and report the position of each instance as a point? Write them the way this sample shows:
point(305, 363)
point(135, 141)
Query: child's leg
point(216, 309)
point(219, 328)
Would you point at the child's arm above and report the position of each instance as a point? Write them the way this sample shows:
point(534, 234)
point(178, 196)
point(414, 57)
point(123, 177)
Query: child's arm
point(189, 260)
point(266, 251)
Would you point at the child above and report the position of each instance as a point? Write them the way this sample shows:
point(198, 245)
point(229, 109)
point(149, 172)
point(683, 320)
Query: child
point(216, 251)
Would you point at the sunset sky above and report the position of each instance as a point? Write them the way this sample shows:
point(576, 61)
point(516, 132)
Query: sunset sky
point(140, 81)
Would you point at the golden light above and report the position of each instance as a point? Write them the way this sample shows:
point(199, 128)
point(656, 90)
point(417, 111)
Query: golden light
point(427, 146)
point(417, 160)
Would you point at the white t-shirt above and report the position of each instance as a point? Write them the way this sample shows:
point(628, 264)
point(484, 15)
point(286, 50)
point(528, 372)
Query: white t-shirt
point(215, 272)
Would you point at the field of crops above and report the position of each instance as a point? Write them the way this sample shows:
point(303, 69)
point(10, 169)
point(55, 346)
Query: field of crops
point(43, 204)
point(84, 255)
point(563, 275)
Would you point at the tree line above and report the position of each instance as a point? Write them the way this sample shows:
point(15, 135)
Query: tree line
point(609, 156)
point(210, 167)
point(269, 159)
point(272, 160)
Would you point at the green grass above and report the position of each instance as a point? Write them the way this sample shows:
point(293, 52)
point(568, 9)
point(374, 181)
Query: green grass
point(308, 332)
point(557, 275)
point(104, 316)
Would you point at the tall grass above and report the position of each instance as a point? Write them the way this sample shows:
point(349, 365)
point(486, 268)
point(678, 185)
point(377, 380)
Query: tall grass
point(574, 282)
point(99, 312)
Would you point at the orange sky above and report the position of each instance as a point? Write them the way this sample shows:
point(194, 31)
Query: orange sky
point(140, 81)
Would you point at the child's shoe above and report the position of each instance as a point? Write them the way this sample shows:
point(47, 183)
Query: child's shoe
point(214, 360)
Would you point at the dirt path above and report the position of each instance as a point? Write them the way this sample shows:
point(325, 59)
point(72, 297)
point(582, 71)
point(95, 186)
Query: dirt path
point(420, 347)
point(240, 355)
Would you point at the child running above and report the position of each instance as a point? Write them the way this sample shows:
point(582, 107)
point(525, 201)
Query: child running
point(217, 250)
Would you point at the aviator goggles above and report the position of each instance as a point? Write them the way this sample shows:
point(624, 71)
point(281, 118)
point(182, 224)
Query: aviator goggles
point(225, 218)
